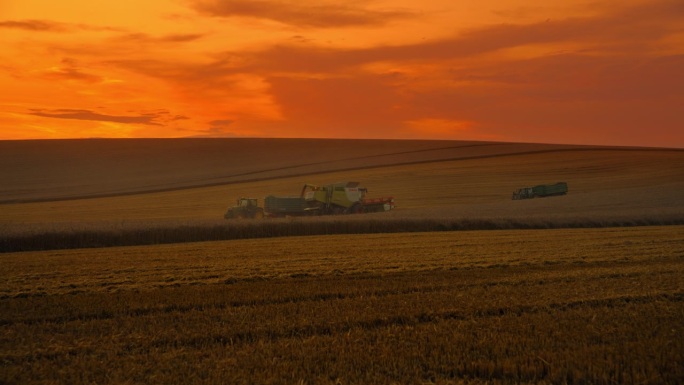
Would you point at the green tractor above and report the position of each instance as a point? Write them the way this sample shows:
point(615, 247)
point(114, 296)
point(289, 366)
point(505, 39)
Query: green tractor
point(245, 208)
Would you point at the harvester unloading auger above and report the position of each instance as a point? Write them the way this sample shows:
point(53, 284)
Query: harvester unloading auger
point(337, 198)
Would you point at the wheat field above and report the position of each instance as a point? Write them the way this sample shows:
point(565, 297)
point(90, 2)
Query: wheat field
point(117, 266)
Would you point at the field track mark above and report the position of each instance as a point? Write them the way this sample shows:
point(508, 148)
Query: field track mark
point(242, 338)
point(414, 320)
point(203, 182)
point(349, 159)
point(344, 169)
point(140, 312)
point(329, 296)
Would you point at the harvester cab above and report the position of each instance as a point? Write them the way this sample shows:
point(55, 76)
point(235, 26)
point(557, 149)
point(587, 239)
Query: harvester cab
point(338, 197)
point(343, 198)
point(245, 208)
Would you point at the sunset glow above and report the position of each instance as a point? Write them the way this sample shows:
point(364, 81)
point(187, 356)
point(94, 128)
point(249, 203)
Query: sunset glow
point(600, 72)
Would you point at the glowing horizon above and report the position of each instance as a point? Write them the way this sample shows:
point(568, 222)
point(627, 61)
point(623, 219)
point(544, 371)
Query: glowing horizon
point(502, 70)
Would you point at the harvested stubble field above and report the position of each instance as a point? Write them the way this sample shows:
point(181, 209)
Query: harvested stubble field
point(598, 306)
point(584, 288)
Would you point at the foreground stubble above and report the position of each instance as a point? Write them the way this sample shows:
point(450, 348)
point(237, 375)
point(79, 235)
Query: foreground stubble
point(549, 306)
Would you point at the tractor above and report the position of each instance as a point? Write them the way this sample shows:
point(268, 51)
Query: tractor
point(245, 208)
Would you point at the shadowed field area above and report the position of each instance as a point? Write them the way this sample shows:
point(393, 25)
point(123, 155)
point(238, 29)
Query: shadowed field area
point(597, 306)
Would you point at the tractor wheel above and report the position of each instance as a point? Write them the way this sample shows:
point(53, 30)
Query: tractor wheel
point(259, 214)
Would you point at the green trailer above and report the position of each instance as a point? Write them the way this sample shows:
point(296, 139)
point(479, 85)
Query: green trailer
point(541, 191)
point(287, 206)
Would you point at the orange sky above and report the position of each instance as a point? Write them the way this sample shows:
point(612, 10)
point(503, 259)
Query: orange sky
point(589, 72)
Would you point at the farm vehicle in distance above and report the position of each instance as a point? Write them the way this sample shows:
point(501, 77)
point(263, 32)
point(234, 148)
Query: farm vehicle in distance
point(337, 198)
point(332, 199)
point(245, 208)
point(540, 191)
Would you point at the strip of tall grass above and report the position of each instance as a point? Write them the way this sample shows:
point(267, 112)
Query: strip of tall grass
point(135, 234)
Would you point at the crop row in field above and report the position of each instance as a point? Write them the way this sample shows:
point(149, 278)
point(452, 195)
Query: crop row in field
point(527, 331)
point(128, 234)
point(146, 267)
point(578, 306)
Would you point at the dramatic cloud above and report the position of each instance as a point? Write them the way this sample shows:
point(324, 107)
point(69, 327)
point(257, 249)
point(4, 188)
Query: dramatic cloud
point(69, 70)
point(595, 33)
point(299, 13)
point(359, 106)
point(180, 38)
point(53, 26)
point(221, 123)
point(34, 25)
point(576, 72)
point(149, 118)
point(548, 93)
point(171, 38)
point(218, 129)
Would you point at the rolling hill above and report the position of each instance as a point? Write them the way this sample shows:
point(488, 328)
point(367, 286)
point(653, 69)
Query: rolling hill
point(73, 169)
point(47, 184)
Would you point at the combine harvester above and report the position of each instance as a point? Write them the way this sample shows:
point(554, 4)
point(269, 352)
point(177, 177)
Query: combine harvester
point(540, 191)
point(332, 199)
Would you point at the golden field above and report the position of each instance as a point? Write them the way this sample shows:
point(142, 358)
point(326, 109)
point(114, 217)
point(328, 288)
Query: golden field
point(113, 287)
point(596, 306)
